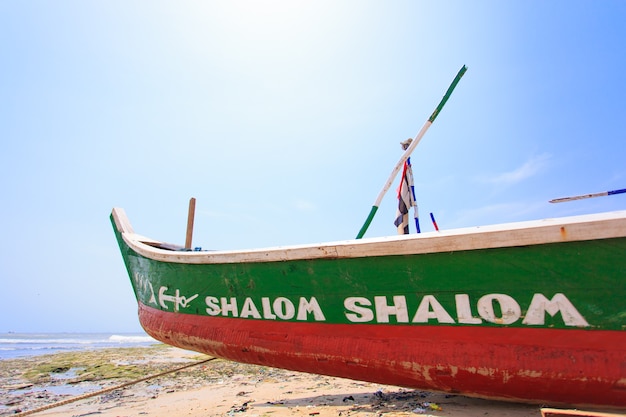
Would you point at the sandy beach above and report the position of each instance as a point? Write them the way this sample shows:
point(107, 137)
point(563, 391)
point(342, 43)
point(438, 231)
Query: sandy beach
point(214, 388)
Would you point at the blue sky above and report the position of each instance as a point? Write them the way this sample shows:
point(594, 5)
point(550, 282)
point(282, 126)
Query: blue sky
point(284, 120)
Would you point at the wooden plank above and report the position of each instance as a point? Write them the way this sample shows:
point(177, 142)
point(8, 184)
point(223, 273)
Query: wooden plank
point(569, 229)
point(554, 412)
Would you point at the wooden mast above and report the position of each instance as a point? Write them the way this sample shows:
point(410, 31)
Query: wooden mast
point(190, 218)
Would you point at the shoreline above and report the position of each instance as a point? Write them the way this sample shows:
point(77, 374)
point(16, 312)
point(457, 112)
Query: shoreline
point(20, 345)
point(216, 388)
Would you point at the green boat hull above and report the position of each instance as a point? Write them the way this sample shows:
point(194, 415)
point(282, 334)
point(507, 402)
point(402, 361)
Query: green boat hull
point(531, 313)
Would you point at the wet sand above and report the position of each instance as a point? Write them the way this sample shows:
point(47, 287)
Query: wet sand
point(215, 388)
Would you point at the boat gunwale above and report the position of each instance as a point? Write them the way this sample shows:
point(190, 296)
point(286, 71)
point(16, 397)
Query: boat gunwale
point(534, 232)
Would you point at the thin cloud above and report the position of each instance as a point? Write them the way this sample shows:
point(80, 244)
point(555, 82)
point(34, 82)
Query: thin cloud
point(499, 213)
point(527, 170)
point(303, 205)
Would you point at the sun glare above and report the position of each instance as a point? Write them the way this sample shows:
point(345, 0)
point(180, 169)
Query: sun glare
point(272, 16)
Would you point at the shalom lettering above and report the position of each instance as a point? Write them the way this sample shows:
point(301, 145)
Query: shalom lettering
point(279, 308)
point(430, 310)
point(491, 308)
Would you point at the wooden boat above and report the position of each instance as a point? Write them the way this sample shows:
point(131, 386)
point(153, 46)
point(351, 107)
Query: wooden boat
point(532, 311)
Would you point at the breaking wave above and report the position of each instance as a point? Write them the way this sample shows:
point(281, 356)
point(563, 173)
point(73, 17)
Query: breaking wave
point(13, 345)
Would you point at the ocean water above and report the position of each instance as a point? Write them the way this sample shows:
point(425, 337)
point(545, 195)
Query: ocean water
point(17, 345)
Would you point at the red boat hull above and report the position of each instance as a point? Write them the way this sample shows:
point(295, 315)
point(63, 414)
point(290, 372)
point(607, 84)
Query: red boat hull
point(575, 366)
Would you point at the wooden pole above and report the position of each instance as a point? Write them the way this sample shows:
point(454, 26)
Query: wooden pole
point(434, 222)
point(190, 217)
point(409, 150)
point(581, 197)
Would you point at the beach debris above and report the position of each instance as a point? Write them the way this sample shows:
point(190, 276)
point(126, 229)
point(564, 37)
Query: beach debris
point(348, 398)
point(241, 409)
point(434, 407)
point(424, 407)
point(409, 401)
point(111, 396)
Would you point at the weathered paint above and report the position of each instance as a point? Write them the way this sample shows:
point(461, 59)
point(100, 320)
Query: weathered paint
point(544, 322)
point(549, 366)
